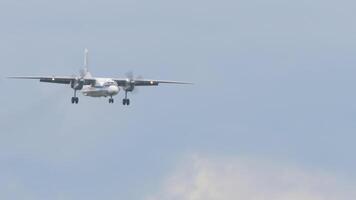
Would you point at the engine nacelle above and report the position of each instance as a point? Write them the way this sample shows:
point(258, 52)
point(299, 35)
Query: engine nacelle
point(77, 84)
point(129, 87)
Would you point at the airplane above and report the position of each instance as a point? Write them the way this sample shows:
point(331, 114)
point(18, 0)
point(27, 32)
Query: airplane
point(98, 87)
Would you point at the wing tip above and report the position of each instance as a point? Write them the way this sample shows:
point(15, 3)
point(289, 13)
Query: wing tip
point(178, 82)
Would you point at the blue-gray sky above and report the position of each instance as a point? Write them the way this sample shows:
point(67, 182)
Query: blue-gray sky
point(274, 91)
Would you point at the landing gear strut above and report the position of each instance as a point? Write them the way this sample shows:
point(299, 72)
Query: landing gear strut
point(126, 101)
point(75, 99)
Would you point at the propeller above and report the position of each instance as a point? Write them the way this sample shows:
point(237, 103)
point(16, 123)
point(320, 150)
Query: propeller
point(78, 83)
point(130, 82)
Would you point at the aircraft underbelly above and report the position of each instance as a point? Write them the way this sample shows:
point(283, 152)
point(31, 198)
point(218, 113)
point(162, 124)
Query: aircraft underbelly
point(96, 93)
point(100, 91)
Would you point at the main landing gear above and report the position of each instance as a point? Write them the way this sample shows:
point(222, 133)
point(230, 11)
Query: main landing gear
point(111, 100)
point(126, 101)
point(75, 99)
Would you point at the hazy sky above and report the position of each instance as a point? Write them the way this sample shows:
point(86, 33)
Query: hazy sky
point(271, 115)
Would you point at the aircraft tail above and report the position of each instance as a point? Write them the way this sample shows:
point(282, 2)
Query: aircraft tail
point(85, 71)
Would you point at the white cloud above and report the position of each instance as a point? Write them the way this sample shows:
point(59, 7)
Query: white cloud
point(202, 178)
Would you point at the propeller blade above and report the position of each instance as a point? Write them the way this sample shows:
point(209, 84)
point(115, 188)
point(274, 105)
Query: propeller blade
point(130, 75)
point(131, 79)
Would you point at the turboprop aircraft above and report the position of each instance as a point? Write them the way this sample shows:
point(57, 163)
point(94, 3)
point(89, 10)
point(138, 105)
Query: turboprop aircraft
point(98, 87)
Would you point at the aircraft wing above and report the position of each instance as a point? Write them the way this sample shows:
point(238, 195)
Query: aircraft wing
point(145, 82)
point(54, 79)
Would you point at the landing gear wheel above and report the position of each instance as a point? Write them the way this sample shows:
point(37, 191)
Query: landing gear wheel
point(75, 100)
point(126, 101)
point(111, 100)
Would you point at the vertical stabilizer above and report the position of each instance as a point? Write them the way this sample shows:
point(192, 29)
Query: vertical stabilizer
point(86, 52)
point(85, 72)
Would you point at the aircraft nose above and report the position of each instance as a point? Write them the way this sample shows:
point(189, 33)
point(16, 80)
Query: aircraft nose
point(113, 90)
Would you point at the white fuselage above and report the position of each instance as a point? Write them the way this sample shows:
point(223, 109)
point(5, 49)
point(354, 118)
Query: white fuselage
point(103, 88)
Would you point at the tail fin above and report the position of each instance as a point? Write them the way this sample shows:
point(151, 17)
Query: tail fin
point(86, 52)
point(85, 72)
